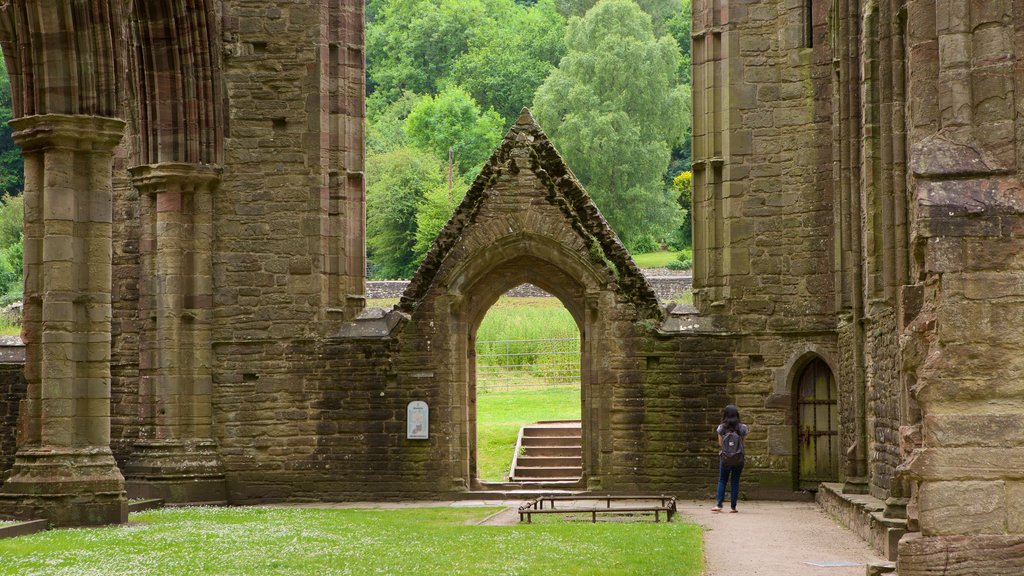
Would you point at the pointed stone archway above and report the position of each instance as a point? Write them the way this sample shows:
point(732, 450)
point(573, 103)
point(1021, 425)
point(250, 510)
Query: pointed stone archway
point(527, 219)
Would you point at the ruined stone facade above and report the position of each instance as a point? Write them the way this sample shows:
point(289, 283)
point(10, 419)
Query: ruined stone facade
point(194, 319)
point(858, 170)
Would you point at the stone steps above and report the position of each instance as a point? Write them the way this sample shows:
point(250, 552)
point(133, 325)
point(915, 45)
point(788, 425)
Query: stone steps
point(548, 452)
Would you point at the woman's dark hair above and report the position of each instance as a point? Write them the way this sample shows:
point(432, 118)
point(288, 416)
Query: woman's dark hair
point(731, 417)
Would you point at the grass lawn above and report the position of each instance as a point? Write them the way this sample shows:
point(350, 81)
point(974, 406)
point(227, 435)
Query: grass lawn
point(7, 328)
point(654, 259)
point(501, 414)
point(421, 541)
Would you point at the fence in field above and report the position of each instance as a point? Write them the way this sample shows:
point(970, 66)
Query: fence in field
point(518, 364)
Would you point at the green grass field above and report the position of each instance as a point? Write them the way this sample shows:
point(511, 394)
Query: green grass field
point(500, 415)
point(655, 259)
point(421, 541)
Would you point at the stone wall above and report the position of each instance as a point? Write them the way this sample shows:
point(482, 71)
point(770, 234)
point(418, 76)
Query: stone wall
point(12, 392)
point(666, 287)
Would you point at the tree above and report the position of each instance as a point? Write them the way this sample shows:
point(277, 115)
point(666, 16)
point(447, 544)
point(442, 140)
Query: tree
point(679, 26)
point(660, 10)
point(437, 208)
point(396, 184)
point(385, 122)
point(452, 119)
point(412, 44)
point(12, 165)
point(615, 109)
point(683, 185)
point(504, 66)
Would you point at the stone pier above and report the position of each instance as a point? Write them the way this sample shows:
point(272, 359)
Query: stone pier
point(176, 458)
point(64, 470)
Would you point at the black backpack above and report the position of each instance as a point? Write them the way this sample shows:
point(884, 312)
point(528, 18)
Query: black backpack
point(732, 448)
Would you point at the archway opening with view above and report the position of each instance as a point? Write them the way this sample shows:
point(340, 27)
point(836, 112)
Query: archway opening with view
point(528, 390)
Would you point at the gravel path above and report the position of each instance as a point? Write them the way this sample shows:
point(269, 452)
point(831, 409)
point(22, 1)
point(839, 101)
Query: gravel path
point(778, 539)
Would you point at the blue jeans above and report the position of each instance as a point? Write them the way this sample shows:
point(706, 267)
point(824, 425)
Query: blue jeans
point(724, 473)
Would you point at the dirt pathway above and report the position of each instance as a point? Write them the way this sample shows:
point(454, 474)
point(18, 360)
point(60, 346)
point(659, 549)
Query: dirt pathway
point(778, 539)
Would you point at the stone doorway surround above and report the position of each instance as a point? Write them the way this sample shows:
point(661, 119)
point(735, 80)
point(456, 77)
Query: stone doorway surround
point(528, 220)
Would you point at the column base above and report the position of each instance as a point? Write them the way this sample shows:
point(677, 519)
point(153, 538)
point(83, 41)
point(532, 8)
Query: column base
point(66, 487)
point(896, 508)
point(992, 555)
point(856, 486)
point(178, 471)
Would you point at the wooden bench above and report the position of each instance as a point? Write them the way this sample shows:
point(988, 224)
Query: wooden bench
point(623, 504)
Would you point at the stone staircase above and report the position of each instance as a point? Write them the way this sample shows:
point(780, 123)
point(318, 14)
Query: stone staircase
point(548, 452)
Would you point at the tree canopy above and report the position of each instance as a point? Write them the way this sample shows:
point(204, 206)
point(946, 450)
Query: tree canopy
point(615, 108)
point(397, 182)
point(453, 120)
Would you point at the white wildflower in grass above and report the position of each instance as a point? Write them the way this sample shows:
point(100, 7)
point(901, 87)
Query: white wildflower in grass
point(299, 541)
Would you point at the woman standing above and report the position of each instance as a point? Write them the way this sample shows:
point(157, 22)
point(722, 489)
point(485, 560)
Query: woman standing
point(730, 442)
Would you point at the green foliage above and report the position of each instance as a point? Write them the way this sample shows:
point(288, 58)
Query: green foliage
point(498, 50)
point(453, 119)
point(645, 243)
point(301, 541)
point(437, 208)
point(396, 184)
point(11, 226)
point(12, 166)
point(11, 285)
point(385, 122)
point(411, 45)
point(615, 110)
point(12, 218)
point(680, 264)
point(679, 26)
point(658, 10)
point(504, 66)
point(683, 185)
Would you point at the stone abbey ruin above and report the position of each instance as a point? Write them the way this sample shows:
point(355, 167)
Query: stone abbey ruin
point(194, 319)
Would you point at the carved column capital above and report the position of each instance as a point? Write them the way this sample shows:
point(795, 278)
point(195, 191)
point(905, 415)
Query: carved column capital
point(62, 131)
point(175, 176)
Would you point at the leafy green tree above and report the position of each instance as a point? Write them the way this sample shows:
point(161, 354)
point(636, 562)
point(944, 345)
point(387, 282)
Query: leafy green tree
point(11, 286)
point(385, 122)
point(504, 66)
point(412, 44)
point(679, 26)
point(683, 185)
point(659, 10)
point(396, 184)
point(12, 218)
point(12, 166)
point(452, 119)
point(11, 227)
point(615, 109)
point(437, 208)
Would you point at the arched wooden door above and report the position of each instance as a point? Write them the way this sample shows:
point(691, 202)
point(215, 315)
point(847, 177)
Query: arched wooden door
point(817, 426)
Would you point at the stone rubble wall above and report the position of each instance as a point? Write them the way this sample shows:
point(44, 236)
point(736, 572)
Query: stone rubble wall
point(666, 287)
point(12, 391)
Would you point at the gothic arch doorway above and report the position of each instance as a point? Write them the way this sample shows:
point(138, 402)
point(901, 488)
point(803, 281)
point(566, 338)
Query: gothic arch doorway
point(480, 295)
point(817, 425)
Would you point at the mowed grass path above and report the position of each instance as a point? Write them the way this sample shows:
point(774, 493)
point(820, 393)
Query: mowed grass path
point(290, 541)
point(500, 415)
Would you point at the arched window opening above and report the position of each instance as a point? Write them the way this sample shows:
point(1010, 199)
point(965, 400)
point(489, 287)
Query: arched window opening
point(528, 391)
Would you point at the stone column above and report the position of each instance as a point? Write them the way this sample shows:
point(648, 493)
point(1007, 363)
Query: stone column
point(64, 470)
point(176, 459)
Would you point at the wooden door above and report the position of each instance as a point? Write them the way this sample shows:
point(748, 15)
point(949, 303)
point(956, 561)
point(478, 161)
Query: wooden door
point(817, 426)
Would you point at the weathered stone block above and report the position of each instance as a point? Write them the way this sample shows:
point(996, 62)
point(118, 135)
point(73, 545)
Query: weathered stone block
point(960, 508)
